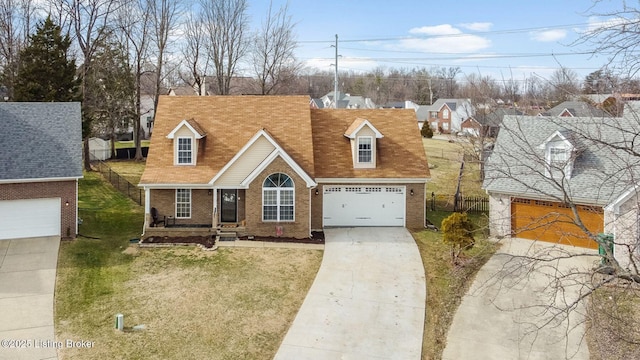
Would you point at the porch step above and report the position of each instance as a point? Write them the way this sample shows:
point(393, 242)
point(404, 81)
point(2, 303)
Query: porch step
point(226, 236)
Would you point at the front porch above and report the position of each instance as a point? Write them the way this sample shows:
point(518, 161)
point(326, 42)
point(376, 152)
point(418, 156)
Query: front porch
point(222, 231)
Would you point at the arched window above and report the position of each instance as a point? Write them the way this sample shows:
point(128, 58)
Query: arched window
point(278, 202)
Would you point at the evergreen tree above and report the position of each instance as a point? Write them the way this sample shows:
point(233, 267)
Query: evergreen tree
point(46, 72)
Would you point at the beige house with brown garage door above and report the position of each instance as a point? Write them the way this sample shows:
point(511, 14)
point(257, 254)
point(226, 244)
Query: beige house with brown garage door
point(270, 166)
point(567, 180)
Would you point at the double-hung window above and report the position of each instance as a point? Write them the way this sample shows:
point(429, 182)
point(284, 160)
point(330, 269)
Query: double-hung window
point(278, 199)
point(185, 151)
point(183, 203)
point(365, 149)
point(558, 157)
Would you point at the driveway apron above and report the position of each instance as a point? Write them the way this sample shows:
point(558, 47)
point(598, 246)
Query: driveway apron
point(27, 283)
point(366, 302)
point(506, 313)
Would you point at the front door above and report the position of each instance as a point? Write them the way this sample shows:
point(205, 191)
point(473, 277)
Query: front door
point(229, 206)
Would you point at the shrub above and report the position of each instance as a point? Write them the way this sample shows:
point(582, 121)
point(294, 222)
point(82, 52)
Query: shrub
point(457, 232)
point(426, 130)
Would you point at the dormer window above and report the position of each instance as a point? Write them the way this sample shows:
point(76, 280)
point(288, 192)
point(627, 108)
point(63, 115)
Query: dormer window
point(364, 137)
point(185, 151)
point(558, 154)
point(365, 150)
point(184, 138)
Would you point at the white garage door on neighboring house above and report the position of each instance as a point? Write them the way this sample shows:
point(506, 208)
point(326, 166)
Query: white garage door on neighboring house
point(29, 218)
point(370, 205)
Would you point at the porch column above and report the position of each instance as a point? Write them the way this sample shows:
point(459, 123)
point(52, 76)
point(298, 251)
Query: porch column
point(214, 215)
point(147, 206)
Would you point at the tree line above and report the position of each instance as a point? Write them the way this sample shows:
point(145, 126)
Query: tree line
point(109, 53)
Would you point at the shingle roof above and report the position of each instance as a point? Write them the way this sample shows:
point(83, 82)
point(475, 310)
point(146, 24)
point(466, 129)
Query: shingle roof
point(577, 109)
point(602, 170)
point(40, 140)
point(400, 152)
point(230, 122)
point(495, 118)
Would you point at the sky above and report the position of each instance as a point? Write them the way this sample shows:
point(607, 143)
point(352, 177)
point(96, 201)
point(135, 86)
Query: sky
point(502, 39)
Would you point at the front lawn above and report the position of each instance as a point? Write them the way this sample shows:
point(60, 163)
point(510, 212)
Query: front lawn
point(446, 283)
point(225, 304)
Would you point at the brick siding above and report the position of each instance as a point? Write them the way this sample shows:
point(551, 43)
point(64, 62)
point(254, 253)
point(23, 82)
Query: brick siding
point(65, 190)
point(255, 226)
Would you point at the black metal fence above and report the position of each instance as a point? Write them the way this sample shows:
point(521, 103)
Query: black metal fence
point(446, 202)
point(120, 183)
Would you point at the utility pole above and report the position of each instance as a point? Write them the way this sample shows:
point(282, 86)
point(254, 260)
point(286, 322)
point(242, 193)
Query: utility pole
point(335, 80)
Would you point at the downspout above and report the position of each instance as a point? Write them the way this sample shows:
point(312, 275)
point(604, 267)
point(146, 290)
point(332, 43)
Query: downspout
point(147, 209)
point(310, 198)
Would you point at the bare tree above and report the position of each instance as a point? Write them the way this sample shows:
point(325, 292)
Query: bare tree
point(16, 17)
point(226, 22)
point(89, 21)
point(133, 21)
point(585, 173)
point(194, 52)
point(164, 17)
point(274, 62)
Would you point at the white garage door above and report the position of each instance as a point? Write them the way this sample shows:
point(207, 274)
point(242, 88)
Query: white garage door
point(363, 205)
point(29, 218)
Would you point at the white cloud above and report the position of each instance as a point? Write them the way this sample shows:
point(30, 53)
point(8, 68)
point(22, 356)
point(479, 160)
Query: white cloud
point(454, 44)
point(477, 26)
point(549, 35)
point(444, 29)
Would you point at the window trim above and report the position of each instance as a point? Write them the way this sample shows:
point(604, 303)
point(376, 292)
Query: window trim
point(370, 162)
point(445, 114)
point(278, 191)
point(189, 202)
point(178, 151)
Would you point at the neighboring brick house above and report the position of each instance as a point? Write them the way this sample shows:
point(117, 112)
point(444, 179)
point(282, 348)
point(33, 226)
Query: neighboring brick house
point(545, 170)
point(446, 115)
point(271, 166)
point(39, 171)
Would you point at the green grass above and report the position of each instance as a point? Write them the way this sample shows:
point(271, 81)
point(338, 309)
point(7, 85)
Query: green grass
point(91, 267)
point(131, 144)
point(445, 158)
point(446, 283)
point(129, 169)
point(224, 304)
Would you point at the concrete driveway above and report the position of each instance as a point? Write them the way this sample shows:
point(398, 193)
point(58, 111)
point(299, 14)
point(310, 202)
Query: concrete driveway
point(367, 301)
point(508, 312)
point(27, 282)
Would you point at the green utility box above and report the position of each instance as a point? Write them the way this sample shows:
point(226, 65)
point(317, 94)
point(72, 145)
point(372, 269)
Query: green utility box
point(605, 243)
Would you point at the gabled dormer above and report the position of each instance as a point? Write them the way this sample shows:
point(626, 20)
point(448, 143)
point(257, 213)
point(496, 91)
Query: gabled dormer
point(363, 136)
point(559, 156)
point(187, 137)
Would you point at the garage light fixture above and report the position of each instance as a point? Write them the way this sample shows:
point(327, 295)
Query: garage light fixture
point(411, 192)
point(317, 192)
point(66, 203)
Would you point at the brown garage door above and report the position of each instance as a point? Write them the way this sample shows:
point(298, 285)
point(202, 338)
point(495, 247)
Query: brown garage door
point(554, 222)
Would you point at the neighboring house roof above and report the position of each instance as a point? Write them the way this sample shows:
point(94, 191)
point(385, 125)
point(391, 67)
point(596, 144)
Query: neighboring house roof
point(229, 122)
point(182, 91)
point(601, 172)
point(400, 152)
point(40, 141)
point(495, 118)
point(576, 109)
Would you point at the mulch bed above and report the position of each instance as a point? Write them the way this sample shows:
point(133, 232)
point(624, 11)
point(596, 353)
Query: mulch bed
point(209, 241)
